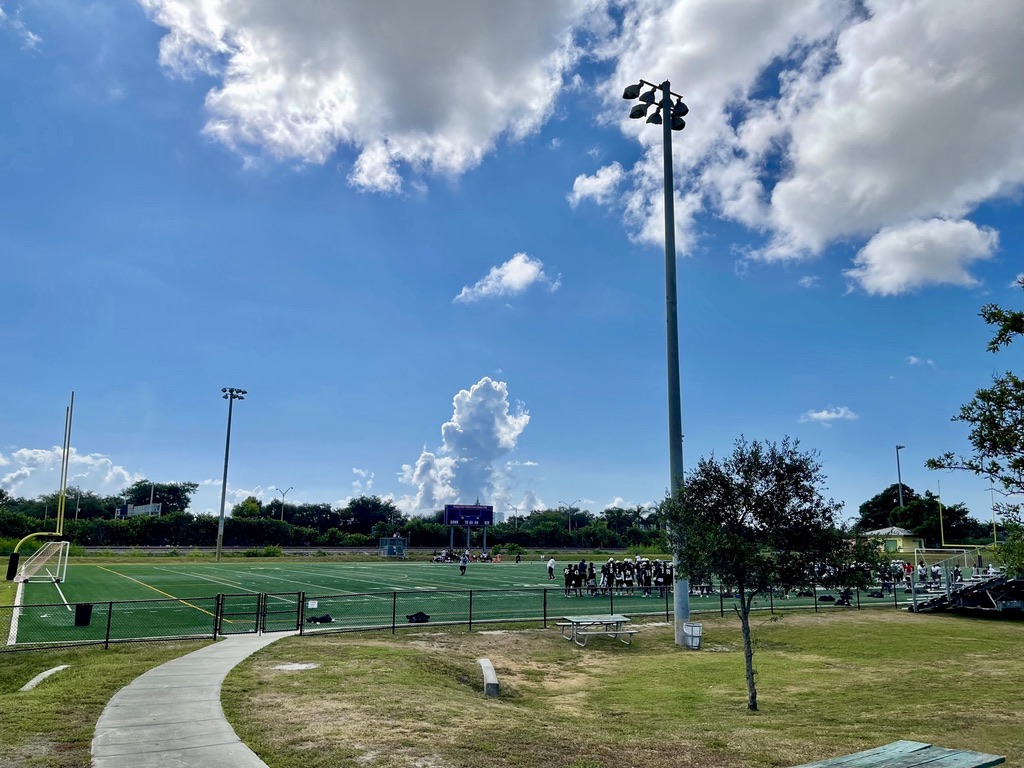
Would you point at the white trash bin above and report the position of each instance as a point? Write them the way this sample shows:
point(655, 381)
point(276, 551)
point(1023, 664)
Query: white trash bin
point(692, 634)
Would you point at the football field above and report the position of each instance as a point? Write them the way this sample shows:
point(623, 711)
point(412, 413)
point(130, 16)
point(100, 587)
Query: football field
point(132, 601)
point(117, 602)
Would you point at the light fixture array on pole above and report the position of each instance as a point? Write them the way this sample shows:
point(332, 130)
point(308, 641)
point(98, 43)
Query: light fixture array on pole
point(669, 116)
point(230, 394)
point(283, 494)
point(899, 475)
point(515, 514)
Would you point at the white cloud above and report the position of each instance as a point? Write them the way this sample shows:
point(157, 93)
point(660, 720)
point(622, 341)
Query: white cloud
point(483, 428)
point(811, 123)
point(509, 279)
point(363, 483)
point(919, 253)
point(885, 114)
point(530, 502)
point(36, 471)
point(29, 39)
point(914, 360)
point(827, 416)
point(809, 281)
point(409, 87)
point(600, 187)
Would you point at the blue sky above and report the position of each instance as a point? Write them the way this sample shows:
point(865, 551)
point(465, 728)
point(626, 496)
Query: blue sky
point(427, 240)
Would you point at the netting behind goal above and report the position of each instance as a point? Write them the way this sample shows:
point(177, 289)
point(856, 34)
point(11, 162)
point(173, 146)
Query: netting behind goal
point(49, 563)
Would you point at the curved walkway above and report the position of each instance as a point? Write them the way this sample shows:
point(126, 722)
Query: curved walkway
point(171, 715)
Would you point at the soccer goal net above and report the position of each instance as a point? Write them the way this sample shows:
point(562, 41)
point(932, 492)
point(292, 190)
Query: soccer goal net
point(49, 563)
point(393, 547)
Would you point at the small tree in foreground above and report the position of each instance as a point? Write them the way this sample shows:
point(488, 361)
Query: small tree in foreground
point(757, 519)
point(996, 417)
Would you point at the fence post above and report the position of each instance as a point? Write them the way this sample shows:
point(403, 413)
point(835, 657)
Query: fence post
point(394, 611)
point(667, 616)
point(300, 616)
point(814, 596)
point(545, 609)
point(218, 613)
point(771, 600)
point(471, 610)
point(858, 597)
point(721, 600)
point(261, 612)
point(110, 612)
point(611, 601)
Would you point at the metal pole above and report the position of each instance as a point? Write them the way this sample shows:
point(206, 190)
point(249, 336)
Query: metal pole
point(899, 475)
point(681, 592)
point(283, 494)
point(224, 482)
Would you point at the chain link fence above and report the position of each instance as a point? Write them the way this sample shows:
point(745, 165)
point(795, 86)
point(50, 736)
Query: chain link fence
point(32, 627)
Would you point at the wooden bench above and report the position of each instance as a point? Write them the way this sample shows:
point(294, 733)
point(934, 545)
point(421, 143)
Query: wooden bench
point(910, 754)
point(490, 677)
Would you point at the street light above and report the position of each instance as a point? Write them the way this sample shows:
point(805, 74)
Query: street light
point(670, 117)
point(283, 494)
point(230, 394)
point(571, 507)
point(899, 475)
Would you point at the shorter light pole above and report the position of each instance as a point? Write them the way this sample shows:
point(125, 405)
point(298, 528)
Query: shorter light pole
point(899, 475)
point(515, 515)
point(230, 394)
point(283, 494)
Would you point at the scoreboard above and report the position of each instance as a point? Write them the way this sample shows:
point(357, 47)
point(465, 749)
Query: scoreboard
point(468, 514)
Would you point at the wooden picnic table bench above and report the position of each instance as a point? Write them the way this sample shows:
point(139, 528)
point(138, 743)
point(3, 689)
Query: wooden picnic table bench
point(910, 754)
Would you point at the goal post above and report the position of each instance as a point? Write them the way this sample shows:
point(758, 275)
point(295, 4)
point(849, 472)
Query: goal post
point(48, 563)
point(393, 546)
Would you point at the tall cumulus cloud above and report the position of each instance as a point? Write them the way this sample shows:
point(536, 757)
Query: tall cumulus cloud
point(483, 428)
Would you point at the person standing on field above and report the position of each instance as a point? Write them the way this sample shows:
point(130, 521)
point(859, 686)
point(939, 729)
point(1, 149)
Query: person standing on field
point(463, 562)
point(551, 569)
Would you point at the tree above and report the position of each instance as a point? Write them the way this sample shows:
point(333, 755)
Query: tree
point(877, 512)
point(175, 497)
point(996, 417)
point(757, 520)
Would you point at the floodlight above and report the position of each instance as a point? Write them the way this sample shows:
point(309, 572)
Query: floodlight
point(655, 118)
point(649, 97)
point(680, 109)
point(638, 111)
point(678, 123)
point(632, 91)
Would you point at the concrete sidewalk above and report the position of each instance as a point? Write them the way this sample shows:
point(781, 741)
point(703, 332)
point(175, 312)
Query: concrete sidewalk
point(171, 715)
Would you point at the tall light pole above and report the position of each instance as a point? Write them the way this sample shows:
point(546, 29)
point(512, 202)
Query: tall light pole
point(230, 394)
point(670, 117)
point(899, 475)
point(283, 494)
point(515, 514)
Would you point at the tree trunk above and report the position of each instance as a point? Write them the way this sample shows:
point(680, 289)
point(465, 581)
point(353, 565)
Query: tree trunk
point(748, 650)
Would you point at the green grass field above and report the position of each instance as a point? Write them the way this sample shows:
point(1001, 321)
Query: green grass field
point(174, 598)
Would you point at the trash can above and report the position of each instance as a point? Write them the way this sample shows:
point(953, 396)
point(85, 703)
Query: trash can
point(692, 634)
point(83, 614)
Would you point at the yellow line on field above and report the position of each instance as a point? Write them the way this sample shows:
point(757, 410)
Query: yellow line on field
point(165, 594)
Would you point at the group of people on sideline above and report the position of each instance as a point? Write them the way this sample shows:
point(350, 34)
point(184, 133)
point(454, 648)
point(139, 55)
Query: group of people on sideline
point(615, 577)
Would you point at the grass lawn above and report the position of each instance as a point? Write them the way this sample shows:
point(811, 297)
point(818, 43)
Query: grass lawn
point(828, 684)
point(52, 725)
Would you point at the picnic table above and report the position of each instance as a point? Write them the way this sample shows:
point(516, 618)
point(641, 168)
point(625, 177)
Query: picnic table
point(580, 628)
point(910, 754)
